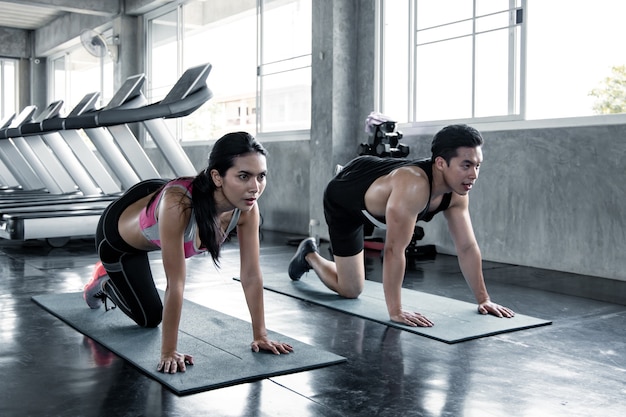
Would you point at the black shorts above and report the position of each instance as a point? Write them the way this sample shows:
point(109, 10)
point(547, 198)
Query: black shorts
point(344, 200)
point(345, 222)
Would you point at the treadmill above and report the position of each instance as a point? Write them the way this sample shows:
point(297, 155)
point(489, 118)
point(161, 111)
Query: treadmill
point(187, 95)
point(32, 155)
point(57, 224)
point(17, 173)
point(58, 165)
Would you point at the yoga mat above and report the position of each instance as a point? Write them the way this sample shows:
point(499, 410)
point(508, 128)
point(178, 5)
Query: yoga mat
point(219, 344)
point(455, 321)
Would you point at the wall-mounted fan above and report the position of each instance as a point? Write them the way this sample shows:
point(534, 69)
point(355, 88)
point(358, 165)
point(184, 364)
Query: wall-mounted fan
point(97, 46)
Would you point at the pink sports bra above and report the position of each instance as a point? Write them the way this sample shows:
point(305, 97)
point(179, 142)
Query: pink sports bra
point(149, 223)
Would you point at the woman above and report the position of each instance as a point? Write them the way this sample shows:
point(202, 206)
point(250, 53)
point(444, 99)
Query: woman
point(184, 217)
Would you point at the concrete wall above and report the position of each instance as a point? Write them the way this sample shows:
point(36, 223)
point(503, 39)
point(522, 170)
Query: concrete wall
point(14, 43)
point(548, 198)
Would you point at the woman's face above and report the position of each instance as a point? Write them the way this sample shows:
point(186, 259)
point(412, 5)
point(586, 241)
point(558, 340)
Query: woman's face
point(244, 182)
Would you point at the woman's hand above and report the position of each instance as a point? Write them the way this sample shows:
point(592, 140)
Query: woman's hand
point(173, 362)
point(275, 347)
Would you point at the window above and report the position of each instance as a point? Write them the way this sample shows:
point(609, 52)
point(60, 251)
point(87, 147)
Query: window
point(495, 60)
point(197, 32)
point(463, 59)
point(574, 46)
point(285, 65)
point(253, 66)
point(8, 88)
point(76, 73)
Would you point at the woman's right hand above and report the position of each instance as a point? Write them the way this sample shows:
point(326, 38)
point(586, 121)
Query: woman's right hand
point(173, 362)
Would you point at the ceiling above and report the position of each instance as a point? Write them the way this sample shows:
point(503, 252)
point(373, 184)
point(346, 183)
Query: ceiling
point(24, 16)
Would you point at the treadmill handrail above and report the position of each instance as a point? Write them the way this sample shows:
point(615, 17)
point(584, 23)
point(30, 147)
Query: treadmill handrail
point(181, 108)
point(23, 117)
point(53, 111)
point(186, 96)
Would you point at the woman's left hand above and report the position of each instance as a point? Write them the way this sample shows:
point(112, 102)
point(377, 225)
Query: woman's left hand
point(275, 347)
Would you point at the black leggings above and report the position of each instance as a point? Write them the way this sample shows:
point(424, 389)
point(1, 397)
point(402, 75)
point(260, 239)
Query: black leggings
point(130, 284)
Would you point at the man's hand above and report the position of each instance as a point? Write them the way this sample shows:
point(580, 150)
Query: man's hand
point(487, 307)
point(173, 362)
point(275, 347)
point(411, 319)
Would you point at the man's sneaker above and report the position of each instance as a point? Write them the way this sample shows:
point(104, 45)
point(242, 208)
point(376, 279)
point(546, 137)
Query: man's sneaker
point(93, 292)
point(298, 264)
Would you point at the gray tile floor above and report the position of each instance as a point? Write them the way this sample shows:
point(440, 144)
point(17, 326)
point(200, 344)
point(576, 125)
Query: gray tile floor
point(575, 367)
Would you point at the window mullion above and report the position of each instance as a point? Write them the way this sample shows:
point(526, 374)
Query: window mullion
point(522, 66)
point(412, 70)
point(259, 74)
point(473, 88)
point(180, 34)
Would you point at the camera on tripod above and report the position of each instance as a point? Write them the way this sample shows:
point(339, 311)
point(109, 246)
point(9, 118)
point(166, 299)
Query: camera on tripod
point(383, 140)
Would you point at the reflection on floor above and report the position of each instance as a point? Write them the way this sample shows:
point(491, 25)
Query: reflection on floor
point(575, 367)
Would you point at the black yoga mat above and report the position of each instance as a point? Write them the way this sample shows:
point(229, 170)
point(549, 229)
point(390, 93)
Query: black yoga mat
point(219, 343)
point(455, 321)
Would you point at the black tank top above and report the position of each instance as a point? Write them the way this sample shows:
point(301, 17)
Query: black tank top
point(361, 172)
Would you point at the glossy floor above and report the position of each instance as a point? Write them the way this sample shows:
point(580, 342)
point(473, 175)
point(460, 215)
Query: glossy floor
point(575, 367)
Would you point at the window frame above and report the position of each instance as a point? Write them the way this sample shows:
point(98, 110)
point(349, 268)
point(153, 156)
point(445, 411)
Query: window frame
point(283, 135)
point(5, 109)
point(104, 64)
point(490, 123)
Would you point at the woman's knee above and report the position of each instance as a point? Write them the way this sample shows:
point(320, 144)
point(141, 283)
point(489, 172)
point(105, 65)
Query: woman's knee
point(153, 320)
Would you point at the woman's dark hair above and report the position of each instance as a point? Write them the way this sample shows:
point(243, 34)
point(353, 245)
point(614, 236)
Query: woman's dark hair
point(221, 158)
point(450, 138)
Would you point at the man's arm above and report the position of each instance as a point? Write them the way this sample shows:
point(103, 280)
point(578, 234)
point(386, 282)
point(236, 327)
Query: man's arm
point(468, 252)
point(409, 195)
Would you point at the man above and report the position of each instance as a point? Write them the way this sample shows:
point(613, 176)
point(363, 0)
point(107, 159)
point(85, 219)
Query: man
point(395, 193)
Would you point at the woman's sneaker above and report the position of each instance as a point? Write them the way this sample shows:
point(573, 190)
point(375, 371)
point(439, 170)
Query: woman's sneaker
point(298, 264)
point(93, 293)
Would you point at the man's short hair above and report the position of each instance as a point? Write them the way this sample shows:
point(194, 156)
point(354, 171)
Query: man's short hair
point(450, 138)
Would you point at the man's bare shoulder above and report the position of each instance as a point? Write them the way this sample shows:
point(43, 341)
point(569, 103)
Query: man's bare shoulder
point(409, 175)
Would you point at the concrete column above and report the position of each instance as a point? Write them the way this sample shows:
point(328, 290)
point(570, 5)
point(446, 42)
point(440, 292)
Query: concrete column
point(341, 92)
point(128, 30)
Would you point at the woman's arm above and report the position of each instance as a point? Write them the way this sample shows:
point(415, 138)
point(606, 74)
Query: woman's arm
point(173, 220)
point(252, 281)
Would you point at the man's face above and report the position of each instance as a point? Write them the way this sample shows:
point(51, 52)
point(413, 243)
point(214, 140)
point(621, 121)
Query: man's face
point(463, 170)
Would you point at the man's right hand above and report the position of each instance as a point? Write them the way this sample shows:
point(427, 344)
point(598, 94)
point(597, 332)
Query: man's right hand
point(174, 362)
point(411, 319)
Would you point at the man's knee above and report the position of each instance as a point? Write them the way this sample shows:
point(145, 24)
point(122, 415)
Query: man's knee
point(351, 291)
point(350, 276)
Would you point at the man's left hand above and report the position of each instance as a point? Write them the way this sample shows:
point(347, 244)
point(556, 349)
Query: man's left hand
point(497, 310)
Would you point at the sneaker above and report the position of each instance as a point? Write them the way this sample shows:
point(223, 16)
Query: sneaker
point(93, 292)
point(298, 264)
